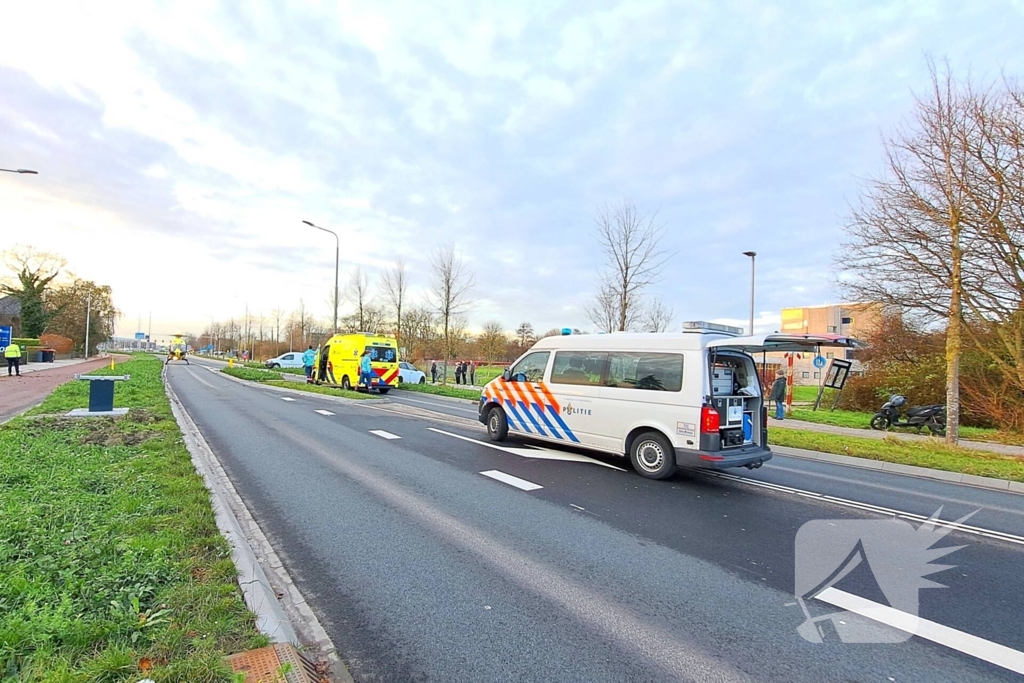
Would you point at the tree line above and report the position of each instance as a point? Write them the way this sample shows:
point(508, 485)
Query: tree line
point(53, 301)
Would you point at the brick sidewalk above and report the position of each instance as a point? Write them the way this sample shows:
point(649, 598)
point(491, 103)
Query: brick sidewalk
point(18, 394)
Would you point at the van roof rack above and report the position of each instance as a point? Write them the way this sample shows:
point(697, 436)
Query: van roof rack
point(702, 327)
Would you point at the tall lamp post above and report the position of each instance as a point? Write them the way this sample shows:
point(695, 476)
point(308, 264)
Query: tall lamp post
point(753, 256)
point(337, 252)
point(20, 170)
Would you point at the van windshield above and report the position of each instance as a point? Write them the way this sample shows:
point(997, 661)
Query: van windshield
point(383, 354)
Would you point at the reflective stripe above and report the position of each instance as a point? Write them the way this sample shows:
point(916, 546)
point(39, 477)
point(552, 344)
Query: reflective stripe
point(512, 409)
point(540, 412)
point(561, 423)
point(529, 414)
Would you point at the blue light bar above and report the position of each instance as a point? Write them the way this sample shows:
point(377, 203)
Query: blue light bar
point(566, 331)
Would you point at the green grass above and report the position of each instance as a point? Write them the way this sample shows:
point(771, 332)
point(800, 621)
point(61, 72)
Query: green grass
point(252, 374)
point(440, 390)
point(109, 552)
point(485, 373)
point(932, 454)
point(857, 420)
point(317, 389)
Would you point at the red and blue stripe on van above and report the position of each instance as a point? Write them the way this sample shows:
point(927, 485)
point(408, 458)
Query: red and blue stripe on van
point(530, 408)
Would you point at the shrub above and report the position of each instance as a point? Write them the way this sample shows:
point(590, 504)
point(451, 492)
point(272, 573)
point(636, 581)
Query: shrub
point(57, 343)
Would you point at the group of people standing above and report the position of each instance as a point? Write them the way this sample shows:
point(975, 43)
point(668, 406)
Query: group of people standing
point(465, 372)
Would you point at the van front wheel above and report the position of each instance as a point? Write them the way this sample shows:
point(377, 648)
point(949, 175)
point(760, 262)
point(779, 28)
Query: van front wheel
point(652, 456)
point(497, 424)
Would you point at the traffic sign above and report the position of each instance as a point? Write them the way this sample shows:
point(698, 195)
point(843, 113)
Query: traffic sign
point(819, 362)
point(5, 336)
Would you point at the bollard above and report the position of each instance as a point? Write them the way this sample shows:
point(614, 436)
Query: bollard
point(231, 362)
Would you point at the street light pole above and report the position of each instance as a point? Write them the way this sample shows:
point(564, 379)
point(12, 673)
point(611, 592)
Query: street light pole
point(20, 170)
point(88, 314)
point(753, 256)
point(337, 254)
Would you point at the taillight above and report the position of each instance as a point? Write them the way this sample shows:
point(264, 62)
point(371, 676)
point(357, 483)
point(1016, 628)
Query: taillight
point(710, 421)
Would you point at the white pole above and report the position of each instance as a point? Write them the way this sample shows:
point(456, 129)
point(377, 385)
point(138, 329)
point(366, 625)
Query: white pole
point(88, 314)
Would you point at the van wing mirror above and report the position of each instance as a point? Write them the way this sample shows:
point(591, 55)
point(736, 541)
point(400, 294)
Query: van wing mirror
point(507, 374)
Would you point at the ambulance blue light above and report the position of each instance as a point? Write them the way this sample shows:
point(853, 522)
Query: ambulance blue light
point(566, 331)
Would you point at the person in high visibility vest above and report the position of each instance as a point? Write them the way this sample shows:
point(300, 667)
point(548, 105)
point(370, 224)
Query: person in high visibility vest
point(13, 355)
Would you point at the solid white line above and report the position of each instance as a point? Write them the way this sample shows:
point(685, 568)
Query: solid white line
point(867, 507)
point(986, 650)
point(324, 412)
point(577, 507)
point(384, 435)
point(287, 398)
point(533, 453)
point(512, 481)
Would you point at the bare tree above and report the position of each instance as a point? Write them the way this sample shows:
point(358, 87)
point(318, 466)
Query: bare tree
point(630, 242)
point(277, 314)
point(492, 341)
point(395, 284)
point(657, 316)
point(450, 294)
point(907, 238)
point(357, 292)
point(524, 333)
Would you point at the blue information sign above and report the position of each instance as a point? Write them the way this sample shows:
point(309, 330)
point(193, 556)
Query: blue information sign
point(819, 362)
point(5, 336)
point(139, 336)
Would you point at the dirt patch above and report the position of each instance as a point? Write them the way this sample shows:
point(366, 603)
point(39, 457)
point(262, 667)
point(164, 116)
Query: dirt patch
point(108, 432)
point(98, 431)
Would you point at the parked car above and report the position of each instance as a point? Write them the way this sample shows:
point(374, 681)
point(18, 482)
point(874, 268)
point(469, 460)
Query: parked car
point(292, 359)
point(408, 374)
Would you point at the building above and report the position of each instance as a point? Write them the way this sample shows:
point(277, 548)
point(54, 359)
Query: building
point(850, 320)
point(10, 314)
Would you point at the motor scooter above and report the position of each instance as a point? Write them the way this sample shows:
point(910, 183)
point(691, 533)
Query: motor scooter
point(933, 417)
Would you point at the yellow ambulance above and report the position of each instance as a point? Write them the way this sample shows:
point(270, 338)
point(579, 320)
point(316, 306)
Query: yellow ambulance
point(337, 361)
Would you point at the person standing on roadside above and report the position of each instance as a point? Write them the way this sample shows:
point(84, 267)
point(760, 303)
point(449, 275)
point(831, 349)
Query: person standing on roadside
point(472, 373)
point(778, 394)
point(433, 372)
point(458, 372)
point(13, 355)
point(366, 370)
point(308, 357)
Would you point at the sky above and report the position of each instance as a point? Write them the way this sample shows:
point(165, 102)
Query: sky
point(180, 145)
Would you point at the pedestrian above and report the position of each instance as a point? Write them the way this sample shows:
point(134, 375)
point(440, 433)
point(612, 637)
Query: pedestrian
point(13, 355)
point(307, 362)
point(433, 372)
point(458, 372)
point(778, 394)
point(366, 370)
point(472, 373)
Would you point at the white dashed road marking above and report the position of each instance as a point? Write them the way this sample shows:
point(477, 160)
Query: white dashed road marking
point(384, 435)
point(993, 653)
point(512, 481)
point(324, 412)
point(287, 398)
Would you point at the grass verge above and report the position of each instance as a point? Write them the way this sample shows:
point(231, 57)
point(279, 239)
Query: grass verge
point(111, 564)
point(858, 420)
point(441, 390)
point(932, 454)
point(316, 389)
point(252, 374)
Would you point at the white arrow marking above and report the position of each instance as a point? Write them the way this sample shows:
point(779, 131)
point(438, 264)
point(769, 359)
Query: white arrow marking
point(324, 412)
point(534, 453)
point(512, 481)
point(384, 435)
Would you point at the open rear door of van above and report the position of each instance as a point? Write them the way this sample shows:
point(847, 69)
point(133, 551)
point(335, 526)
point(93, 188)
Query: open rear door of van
point(781, 342)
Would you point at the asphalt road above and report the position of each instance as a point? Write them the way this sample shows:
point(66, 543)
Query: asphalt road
point(421, 567)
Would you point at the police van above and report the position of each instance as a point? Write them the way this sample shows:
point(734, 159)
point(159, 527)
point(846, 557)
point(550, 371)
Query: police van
point(692, 399)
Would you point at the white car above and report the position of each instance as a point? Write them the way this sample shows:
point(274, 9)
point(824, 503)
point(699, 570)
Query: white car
point(292, 359)
point(408, 374)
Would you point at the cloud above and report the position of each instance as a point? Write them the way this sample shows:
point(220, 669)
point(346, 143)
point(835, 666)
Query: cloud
point(180, 145)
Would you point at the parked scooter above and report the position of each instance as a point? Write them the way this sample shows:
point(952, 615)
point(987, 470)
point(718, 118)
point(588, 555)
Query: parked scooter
point(932, 417)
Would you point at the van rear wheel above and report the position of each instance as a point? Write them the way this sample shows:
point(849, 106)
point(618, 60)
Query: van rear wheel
point(652, 456)
point(497, 424)
point(345, 384)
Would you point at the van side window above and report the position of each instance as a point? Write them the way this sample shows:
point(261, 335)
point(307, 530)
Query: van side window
point(531, 367)
point(652, 371)
point(578, 367)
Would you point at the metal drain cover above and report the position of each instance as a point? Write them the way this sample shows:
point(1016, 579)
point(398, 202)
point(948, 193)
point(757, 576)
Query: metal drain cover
point(280, 662)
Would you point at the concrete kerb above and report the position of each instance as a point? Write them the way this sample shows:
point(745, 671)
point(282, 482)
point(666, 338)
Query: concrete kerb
point(282, 613)
point(908, 470)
